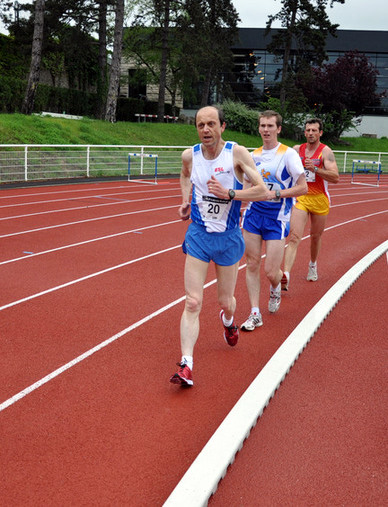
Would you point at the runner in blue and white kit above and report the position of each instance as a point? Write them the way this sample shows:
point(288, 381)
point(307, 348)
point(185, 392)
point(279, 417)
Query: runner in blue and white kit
point(214, 170)
point(269, 221)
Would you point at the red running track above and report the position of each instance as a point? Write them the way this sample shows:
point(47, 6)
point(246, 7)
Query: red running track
point(92, 292)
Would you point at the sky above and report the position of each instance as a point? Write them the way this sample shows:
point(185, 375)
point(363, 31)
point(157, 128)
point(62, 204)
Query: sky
point(352, 15)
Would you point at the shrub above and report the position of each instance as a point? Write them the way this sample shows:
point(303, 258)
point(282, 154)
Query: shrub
point(239, 117)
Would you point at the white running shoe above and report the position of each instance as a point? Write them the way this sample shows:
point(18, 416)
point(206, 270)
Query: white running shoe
point(274, 300)
point(312, 275)
point(254, 320)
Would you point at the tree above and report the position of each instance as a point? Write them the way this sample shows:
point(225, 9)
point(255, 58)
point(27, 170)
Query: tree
point(343, 89)
point(114, 75)
point(36, 58)
point(306, 25)
point(348, 83)
point(102, 80)
point(212, 25)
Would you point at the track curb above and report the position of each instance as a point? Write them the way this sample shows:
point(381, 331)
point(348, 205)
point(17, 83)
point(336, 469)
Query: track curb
point(202, 478)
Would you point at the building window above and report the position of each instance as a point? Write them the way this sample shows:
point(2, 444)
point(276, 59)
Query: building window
point(137, 83)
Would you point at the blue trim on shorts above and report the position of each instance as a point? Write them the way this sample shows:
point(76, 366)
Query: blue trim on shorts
point(267, 228)
point(223, 248)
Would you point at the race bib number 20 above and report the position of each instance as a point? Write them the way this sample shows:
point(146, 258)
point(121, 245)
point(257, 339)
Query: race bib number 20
point(213, 207)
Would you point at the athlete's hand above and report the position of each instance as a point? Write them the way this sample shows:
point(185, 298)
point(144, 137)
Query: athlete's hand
point(309, 164)
point(184, 211)
point(215, 188)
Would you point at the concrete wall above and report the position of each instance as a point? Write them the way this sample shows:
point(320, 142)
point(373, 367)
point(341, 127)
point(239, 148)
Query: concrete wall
point(375, 126)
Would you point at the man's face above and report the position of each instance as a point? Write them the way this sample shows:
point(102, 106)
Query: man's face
point(268, 129)
point(208, 126)
point(312, 132)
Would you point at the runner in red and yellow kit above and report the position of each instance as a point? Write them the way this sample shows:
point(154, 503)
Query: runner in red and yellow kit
point(321, 169)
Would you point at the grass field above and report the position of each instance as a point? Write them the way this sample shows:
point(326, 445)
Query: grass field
point(78, 162)
point(21, 129)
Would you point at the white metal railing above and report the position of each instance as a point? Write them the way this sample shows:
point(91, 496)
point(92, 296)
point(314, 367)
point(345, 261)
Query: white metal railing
point(27, 162)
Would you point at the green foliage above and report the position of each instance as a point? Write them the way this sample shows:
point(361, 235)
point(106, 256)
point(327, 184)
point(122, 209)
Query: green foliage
point(23, 129)
point(240, 117)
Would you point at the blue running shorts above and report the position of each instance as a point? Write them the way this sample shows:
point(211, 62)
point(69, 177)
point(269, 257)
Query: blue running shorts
point(224, 248)
point(267, 228)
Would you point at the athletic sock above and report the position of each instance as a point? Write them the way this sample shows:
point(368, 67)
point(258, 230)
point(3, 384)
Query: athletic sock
point(277, 289)
point(226, 322)
point(189, 361)
point(255, 310)
point(313, 264)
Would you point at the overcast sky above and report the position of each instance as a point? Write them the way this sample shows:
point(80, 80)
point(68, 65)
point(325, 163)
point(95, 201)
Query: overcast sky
point(352, 15)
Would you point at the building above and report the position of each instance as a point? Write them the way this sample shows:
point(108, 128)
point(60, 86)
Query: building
point(257, 71)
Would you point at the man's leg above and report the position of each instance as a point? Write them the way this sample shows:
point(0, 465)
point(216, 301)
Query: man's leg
point(318, 223)
point(253, 244)
point(194, 277)
point(226, 284)
point(274, 249)
point(195, 274)
point(297, 225)
point(274, 255)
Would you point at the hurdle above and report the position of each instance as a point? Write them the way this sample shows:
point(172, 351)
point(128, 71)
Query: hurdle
point(366, 167)
point(143, 156)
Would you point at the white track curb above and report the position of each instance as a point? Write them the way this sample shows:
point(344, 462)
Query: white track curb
point(202, 478)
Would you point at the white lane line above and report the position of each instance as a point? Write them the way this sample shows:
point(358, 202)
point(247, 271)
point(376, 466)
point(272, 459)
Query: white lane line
point(107, 270)
point(110, 236)
point(85, 355)
point(83, 197)
point(87, 277)
point(67, 224)
point(87, 206)
point(202, 478)
point(37, 384)
point(74, 191)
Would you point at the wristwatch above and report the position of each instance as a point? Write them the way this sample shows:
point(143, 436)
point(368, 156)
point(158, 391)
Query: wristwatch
point(231, 193)
point(316, 169)
point(277, 194)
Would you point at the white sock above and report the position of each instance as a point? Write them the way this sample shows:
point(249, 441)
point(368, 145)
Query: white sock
point(276, 289)
point(227, 323)
point(189, 361)
point(255, 310)
point(313, 264)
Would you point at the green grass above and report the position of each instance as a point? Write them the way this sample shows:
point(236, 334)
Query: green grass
point(21, 129)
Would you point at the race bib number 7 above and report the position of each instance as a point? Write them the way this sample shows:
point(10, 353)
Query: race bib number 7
point(271, 185)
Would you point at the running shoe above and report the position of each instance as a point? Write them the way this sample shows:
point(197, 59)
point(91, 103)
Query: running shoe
point(285, 280)
point(274, 300)
point(230, 333)
point(312, 275)
point(254, 320)
point(183, 377)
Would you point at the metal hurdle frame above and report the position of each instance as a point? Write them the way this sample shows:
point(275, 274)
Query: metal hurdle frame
point(366, 170)
point(142, 156)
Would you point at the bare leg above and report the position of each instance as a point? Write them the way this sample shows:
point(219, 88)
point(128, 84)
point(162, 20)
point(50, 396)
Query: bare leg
point(195, 275)
point(297, 225)
point(253, 244)
point(273, 260)
point(226, 284)
point(318, 223)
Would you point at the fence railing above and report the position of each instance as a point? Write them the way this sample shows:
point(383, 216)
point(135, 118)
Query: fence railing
point(23, 162)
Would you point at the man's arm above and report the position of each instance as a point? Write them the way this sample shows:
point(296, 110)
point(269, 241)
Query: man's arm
point(329, 171)
point(185, 183)
point(244, 165)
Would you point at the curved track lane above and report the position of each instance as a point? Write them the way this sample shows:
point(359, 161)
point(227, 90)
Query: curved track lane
point(110, 428)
